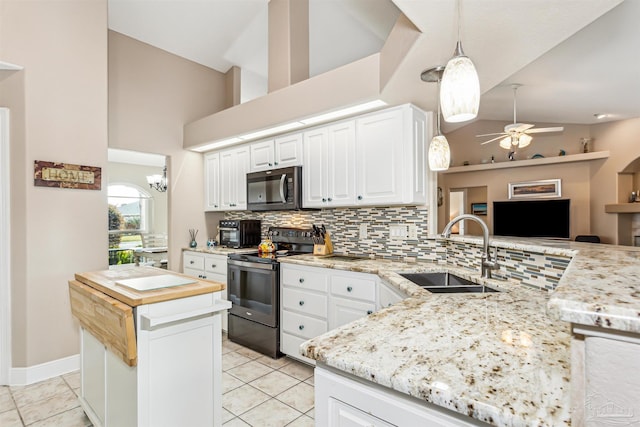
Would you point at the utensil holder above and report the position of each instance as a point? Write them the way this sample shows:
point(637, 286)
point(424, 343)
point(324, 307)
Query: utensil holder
point(324, 249)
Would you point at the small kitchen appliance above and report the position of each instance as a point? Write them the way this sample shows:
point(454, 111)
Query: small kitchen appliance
point(242, 233)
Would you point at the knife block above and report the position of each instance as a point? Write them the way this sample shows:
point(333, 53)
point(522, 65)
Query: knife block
point(324, 249)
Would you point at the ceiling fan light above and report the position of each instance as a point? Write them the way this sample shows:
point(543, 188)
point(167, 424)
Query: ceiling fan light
point(506, 143)
point(460, 89)
point(439, 153)
point(524, 140)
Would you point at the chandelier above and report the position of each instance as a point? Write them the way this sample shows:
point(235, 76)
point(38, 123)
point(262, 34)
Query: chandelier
point(158, 182)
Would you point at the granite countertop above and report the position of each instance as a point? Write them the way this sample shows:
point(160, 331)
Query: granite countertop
point(503, 358)
point(496, 357)
point(221, 250)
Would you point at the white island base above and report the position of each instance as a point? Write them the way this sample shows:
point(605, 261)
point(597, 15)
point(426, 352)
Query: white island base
point(177, 380)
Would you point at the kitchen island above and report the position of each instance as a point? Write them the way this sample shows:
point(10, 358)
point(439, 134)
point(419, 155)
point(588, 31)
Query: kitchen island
point(503, 358)
point(150, 347)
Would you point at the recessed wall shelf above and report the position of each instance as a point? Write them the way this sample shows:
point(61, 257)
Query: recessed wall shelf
point(622, 208)
point(582, 157)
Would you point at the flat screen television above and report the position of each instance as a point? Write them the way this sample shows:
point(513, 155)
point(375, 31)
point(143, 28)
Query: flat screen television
point(532, 218)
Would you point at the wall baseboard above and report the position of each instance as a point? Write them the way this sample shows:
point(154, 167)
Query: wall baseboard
point(44, 371)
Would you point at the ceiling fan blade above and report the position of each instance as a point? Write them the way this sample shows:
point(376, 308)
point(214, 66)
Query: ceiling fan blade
point(494, 139)
point(523, 127)
point(492, 134)
point(540, 130)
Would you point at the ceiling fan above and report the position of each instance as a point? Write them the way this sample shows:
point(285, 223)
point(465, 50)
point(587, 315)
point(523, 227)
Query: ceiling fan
point(516, 135)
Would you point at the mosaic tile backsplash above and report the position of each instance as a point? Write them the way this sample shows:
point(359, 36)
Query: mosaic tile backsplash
point(529, 268)
point(344, 224)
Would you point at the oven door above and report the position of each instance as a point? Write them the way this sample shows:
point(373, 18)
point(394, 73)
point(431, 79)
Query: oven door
point(253, 290)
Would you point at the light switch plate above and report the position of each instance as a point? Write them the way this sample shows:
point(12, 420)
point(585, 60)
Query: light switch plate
point(363, 232)
point(397, 232)
point(413, 232)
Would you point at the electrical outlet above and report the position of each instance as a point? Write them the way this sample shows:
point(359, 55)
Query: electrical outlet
point(413, 232)
point(363, 232)
point(397, 232)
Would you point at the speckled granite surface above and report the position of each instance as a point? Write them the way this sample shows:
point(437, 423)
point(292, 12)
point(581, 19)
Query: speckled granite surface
point(502, 357)
point(219, 250)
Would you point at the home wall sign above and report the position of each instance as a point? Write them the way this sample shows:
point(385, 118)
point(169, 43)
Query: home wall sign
point(66, 175)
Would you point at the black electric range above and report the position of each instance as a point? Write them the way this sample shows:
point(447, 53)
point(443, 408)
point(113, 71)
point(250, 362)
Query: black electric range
point(253, 283)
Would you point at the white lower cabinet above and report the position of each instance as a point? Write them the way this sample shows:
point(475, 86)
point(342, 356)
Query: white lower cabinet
point(343, 401)
point(316, 300)
point(177, 379)
point(210, 267)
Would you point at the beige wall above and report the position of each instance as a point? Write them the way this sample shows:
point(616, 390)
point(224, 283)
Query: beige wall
point(152, 94)
point(58, 113)
point(622, 139)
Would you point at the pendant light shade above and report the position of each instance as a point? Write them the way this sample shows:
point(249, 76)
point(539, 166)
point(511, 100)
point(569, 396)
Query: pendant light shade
point(460, 92)
point(439, 153)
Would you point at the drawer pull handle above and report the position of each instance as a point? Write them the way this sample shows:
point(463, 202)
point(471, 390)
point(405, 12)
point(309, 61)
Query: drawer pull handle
point(301, 303)
point(369, 311)
point(301, 327)
point(349, 289)
point(301, 280)
point(213, 266)
point(192, 262)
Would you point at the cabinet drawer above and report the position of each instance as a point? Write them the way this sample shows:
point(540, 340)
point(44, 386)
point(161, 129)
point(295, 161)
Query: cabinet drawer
point(304, 302)
point(304, 279)
point(302, 326)
point(195, 262)
point(193, 273)
point(215, 264)
point(352, 287)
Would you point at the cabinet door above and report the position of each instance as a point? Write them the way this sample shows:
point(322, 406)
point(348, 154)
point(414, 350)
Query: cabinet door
point(341, 164)
point(314, 180)
point(242, 167)
point(288, 151)
point(342, 414)
point(379, 146)
point(227, 181)
point(262, 156)
point(343, 311)
point(212, 182)
point(234, 165)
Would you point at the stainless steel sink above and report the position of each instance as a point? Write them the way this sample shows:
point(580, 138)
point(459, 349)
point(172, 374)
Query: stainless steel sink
point(446, 283)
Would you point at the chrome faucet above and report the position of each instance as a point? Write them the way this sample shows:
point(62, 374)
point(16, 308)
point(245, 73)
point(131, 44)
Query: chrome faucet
point(486, 263)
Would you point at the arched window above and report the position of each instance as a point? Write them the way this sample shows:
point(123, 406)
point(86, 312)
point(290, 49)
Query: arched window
point(129, 208)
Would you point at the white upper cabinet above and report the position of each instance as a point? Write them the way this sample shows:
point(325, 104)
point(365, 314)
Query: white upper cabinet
point(212, 182)
point(378, 159)
point(391, 157)
point(329, 166)
point(234, 165)
point(281, 152)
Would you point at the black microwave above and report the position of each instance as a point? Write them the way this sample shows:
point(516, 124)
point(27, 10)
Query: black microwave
point(275, 190)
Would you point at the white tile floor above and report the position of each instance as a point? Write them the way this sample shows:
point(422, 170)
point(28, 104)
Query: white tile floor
point(258, 391)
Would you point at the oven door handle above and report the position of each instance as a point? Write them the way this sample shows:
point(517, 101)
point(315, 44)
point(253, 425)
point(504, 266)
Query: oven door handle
point(248, 264)
point(283, 182)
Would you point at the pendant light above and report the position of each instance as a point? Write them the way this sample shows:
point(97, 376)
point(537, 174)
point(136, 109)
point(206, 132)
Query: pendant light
point(460, 93)
point(439, 152)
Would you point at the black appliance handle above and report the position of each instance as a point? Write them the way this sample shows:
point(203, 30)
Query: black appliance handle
point(283, 187)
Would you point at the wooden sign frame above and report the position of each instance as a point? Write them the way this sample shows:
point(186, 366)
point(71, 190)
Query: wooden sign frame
point(66, 175)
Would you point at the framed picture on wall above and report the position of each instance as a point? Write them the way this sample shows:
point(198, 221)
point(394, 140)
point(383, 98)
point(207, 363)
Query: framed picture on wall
point(535, 189)
point(479, 208)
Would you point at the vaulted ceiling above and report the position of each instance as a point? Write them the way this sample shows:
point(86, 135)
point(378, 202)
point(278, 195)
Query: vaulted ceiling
point(575, 58)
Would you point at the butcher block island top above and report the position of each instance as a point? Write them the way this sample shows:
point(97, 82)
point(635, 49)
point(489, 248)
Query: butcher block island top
point(112, 283)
